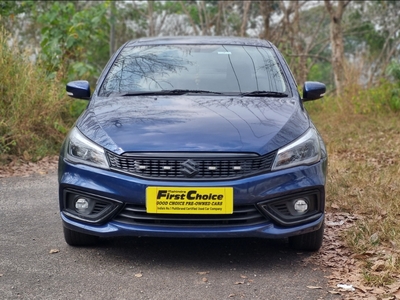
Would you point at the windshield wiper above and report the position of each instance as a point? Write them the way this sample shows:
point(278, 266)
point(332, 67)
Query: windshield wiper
point(265, 94)
point(169, 92)
point(192, 91)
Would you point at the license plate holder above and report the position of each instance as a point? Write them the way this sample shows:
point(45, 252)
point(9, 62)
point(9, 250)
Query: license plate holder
point(189, 200)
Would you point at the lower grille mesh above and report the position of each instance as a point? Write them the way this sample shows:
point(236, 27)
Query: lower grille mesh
point(243, 215)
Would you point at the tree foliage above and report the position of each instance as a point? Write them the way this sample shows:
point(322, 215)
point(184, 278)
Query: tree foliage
point(75, 39)
point(77, 45)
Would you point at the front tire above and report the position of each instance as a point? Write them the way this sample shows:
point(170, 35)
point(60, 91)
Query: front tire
point(78, 239)
point(311, 241)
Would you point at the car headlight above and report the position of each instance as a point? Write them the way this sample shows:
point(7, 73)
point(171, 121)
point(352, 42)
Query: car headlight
point(306, 150)
point(80, 149)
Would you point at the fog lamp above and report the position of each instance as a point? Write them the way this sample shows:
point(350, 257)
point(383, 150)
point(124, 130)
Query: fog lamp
point(82, 205)
point(300, 205)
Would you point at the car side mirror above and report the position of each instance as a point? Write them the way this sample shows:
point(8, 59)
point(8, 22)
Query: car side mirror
point(79, 89)
point(313, 90)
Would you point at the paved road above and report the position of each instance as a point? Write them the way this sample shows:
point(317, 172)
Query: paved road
point(136, 268)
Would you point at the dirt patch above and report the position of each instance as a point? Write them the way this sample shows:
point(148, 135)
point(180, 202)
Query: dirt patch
point(21, 168)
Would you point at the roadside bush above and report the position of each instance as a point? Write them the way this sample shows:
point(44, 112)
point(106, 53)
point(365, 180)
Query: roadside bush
point(381, 99)
point(362, 135)
point(33, 109)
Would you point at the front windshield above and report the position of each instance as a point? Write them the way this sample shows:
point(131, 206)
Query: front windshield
point(215, 68)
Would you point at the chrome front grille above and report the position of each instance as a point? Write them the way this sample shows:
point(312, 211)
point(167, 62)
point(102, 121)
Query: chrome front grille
point(191, 166)
point(242, 215)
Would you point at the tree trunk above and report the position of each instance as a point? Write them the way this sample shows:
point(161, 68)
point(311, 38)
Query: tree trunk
point(296, 46)
point(150, 17)
point(266, 11)
point(112, 28)
point(218, 26)
point(336, 37)
point(246, 8)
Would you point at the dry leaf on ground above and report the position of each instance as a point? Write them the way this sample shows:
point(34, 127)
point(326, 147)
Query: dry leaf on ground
point(203, 273)
point(18, 167)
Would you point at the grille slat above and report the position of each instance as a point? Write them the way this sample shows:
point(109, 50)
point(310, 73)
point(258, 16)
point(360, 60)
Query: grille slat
point(243, 215)
point(229, 167)
point(282, 208)
point(99, 207)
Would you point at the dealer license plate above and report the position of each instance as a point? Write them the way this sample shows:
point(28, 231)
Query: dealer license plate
point(192, 200)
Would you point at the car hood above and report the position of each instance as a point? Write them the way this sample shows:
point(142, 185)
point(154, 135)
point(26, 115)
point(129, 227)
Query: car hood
point(193, 123)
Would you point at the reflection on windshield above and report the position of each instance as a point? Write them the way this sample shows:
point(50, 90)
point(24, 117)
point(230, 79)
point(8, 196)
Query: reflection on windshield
point(216, 68)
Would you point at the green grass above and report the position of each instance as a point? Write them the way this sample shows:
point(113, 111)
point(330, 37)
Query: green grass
point(34, 110)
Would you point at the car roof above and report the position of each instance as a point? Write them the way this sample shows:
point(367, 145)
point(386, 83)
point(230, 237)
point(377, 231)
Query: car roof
point(195, 40)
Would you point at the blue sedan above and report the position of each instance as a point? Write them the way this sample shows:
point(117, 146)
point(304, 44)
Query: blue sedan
point(194, 137)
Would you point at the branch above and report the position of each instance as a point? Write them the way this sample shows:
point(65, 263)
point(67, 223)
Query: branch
point(345, 3)
point(329, 7)
point(138, 9)
point(190, 18)
point(316, 31)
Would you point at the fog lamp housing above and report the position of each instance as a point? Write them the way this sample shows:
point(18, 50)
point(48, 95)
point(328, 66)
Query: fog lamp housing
point(300, 205)
point(88, 207)
point(294, 209)
point(82, 205)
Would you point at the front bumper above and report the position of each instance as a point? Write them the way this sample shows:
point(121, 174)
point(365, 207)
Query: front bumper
point(256, 195)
